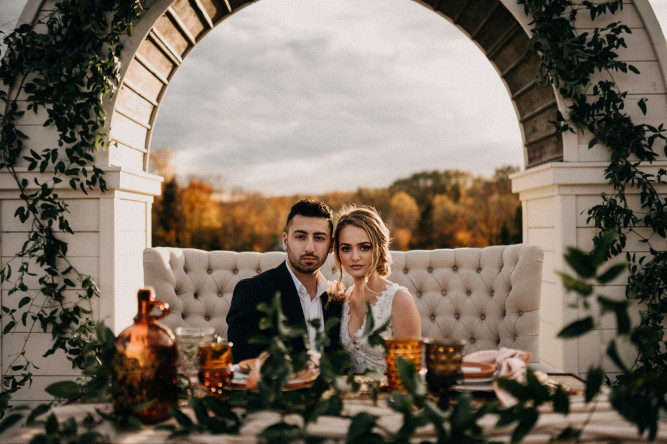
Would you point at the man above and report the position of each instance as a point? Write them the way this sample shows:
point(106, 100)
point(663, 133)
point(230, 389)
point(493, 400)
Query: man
point(307, 239)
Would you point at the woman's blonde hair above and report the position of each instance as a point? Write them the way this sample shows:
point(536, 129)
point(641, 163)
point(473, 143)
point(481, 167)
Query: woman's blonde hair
point(368, 219)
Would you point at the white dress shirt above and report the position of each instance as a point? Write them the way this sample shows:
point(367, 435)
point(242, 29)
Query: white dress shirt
point(312, 308)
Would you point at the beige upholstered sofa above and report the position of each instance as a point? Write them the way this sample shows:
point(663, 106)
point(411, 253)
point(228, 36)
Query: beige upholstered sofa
point(489, 296)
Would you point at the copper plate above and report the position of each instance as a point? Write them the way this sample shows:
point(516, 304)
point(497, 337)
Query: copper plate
point(292, 384)
point(485, 370)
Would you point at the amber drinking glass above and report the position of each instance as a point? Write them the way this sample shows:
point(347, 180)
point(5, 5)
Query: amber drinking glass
point(144, 364)
point(443, 367)
point(215, 365)
point(410, 349)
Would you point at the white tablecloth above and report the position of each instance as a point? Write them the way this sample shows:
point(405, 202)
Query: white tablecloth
point(604, 424)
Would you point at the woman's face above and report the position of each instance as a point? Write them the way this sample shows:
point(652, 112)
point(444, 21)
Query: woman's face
point(355, 251)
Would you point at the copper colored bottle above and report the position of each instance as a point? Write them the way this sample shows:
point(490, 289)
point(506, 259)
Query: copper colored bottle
point(145, 364)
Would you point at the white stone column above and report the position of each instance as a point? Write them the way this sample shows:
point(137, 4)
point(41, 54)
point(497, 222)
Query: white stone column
point(111, 230)
point(555, 198)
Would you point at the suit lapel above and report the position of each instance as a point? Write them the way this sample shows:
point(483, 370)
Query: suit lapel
point(289, 298)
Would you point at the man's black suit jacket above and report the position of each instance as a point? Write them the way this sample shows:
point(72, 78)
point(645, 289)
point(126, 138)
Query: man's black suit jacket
point(243, 317)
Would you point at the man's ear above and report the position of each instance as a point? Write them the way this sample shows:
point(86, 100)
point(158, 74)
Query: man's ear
point(284, 241)
point(331, 245)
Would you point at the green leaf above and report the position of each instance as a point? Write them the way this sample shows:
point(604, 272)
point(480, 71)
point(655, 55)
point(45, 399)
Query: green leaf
point(24, 301)
point(580, 262)
point(64, 390)
point(612, 273)
point(577, 328)
point(9, 420)
point(36, 412)
point(642, 105)
point(561, 401)
point(527, 419)
point(593, 382)
point(90, 437)
point(51, 425)
point(10, 325)
point(612, 353)
point(180, 417)
point(576, 285)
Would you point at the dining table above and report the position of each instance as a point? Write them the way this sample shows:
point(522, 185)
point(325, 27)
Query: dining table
point(602, 423)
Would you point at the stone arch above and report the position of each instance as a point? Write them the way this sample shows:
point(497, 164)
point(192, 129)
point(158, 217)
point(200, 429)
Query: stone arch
point(182, 24)
point(560, 181)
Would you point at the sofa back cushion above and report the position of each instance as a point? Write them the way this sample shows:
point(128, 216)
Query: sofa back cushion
point(488, 296)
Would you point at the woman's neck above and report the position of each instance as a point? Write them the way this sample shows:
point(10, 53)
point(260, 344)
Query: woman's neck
point(373, 287)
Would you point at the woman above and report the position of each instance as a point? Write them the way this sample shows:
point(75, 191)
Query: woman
point(361, 248)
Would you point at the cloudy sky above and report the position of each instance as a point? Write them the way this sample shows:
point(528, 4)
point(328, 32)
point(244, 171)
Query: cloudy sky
point(292, 96)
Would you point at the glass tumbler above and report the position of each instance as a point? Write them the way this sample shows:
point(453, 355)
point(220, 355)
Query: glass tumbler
point(411, 350)
point(188, 341)
point(215, 366)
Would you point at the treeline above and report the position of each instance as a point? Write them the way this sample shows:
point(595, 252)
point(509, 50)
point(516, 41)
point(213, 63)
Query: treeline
point(430, 209)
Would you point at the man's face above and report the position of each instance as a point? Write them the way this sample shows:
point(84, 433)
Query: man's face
point(307, 243)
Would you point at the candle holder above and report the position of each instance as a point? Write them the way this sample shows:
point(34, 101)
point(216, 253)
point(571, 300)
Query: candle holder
point(411, 350)
point(443, 367)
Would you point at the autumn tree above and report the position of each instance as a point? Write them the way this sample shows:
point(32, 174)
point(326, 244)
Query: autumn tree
point(403, 218)
point(203, 218)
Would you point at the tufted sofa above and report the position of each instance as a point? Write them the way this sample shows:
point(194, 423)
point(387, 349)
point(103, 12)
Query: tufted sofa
point(488, 296)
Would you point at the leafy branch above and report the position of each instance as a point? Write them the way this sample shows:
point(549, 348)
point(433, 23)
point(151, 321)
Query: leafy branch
point(63, 74)
point(571, 61)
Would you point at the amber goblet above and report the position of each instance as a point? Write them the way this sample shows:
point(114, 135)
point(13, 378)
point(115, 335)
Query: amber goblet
point(443, 367)
point(411, 350)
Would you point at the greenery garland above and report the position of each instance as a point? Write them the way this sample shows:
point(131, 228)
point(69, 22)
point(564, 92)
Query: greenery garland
point(67, 72)
point(569, 61)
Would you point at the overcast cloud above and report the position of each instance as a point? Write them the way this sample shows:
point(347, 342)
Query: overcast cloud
point(310, 96)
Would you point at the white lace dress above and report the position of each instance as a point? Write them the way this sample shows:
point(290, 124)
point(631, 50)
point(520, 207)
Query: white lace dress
point(363, 354)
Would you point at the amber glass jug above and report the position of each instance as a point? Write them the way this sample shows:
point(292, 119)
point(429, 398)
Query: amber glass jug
point(145, 364)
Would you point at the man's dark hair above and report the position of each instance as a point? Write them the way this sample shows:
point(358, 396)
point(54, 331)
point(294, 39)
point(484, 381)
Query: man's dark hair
point(310, 208)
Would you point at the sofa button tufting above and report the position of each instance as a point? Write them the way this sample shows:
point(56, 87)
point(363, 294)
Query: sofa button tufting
point(456, 316)
point(482, 317)
point(479, 270)
point(520, 313)
point(444, 292)
point(472, 340)
point(196, 296)
point(455, 268)
point(219, 294)
point(432, 317)
point(208, 318)
point(405, 271)
point(468, 293)
point(259, 270)
point(492, 293)
point(182, 315)
point(419, 294)
point(430, 270)
point(235, 271)
point(209, 271)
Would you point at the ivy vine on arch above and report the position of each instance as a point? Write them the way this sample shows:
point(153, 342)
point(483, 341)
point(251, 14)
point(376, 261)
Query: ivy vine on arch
point(67, 72)
point(64, 74)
